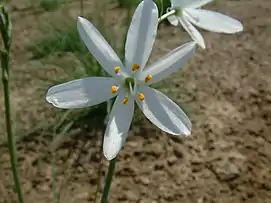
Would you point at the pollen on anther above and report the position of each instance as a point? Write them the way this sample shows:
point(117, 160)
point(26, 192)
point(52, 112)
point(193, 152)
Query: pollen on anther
point(148, 78)
point(125, 100)
point(114, 89)
point(135, 67)
point(117, 69)
point(141, 96)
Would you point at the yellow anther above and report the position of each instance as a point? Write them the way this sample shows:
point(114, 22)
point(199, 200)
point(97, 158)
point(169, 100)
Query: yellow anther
point(148, 78)
point(114, 89)
point(135, 67)
point(117, 69)
point(141, 96)
point(125, 100)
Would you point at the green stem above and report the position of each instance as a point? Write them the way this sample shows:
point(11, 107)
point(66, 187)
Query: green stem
point(5, 28)
point(170, 13)
point(108, 180)
point(81, 7)
point(11, 140)
point(54, 176)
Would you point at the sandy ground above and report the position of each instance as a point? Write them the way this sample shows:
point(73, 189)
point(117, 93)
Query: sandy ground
point(227, 90)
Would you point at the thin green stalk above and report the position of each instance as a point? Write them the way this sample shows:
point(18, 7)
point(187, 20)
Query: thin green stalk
point(54, 181)
point(81, 7)
point(108, 180)
point(162, 7)
point(11, 140)
point(170, 13)
point(99, 175)
point(5, 27)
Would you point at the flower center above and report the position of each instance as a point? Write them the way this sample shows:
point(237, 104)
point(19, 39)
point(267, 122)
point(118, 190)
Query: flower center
point(130, 85)
point(178, 11)
point(129, 82)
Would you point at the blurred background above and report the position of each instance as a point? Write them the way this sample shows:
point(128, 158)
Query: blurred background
point(225, 90)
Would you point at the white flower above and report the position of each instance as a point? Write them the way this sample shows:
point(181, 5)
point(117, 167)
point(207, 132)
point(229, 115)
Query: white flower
point(129, 82)
point(188, 12)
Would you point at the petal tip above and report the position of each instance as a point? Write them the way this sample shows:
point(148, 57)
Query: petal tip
point(240, 28)
point(110, 150)
point(52, 101)
point(184, 132)
point(187, 133)
point(48, 98)
point(202, 45)
point(109, 156)
point(79, 18)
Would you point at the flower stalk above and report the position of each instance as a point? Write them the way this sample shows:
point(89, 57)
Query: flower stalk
point(81, 7)
point(5, 28)
point(166, 15)
point(108, 180)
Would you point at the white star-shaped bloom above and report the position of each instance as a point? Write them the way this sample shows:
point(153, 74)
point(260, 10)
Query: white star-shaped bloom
point(129, 82)
point(188, 13)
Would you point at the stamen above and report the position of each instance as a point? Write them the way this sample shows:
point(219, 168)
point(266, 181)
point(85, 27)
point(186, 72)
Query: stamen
point(148, 78)
point(117, 69)
point(114, 89)
point(141, 96)
point(135, 67)
point(131, 89)
point(125, 100)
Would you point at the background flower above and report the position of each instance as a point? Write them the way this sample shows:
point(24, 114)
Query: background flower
point(189, 13)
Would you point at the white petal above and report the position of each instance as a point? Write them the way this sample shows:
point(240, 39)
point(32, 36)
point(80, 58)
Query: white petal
point(180, 3)
point(98, 46)
point(173, 20)
point(170, 63)
point(118, 126)
point(81, 93)
point(213, 21)
point(198, 3)
point(164, 113)
point(141, 34)
point(192, 31)
point(189, 3)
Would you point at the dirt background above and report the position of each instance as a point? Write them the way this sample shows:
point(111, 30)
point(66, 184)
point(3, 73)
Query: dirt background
point(227, 89)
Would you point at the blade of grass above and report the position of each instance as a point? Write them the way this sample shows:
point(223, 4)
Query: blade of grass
point(54, 181)
point(5, 27)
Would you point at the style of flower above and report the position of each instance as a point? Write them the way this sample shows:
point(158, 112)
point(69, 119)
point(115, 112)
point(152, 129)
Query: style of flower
point(188, 13)
point(129, 82)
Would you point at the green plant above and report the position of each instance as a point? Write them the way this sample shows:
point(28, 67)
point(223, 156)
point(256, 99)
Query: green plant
point(61, 39)
point(64, 42)
point(6, 32)
point(128, 3)
point(50, 5)
point(161, 4)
